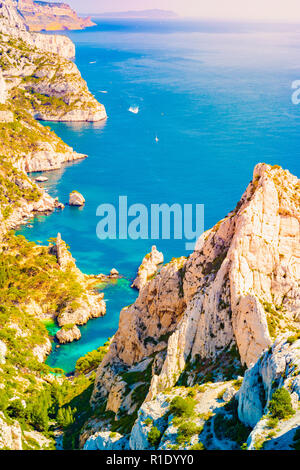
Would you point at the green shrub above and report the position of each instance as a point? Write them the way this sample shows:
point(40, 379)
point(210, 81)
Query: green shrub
point(154, 436)
point(280, 405)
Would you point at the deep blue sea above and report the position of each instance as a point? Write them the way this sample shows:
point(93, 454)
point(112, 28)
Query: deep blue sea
point(218, 98)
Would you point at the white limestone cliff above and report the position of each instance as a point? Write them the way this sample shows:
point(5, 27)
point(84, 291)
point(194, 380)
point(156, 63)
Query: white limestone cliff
point(12, 23)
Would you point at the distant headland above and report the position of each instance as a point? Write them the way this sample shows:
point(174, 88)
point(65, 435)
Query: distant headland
point(50, 16)
point(149, 14)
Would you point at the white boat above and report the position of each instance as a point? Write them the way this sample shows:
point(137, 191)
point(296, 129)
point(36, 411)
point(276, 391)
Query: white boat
point(156, 139)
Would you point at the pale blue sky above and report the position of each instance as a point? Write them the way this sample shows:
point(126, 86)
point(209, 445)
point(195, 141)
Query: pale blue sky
point(279, 10)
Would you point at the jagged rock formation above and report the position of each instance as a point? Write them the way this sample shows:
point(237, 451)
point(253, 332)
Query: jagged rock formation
point(68, 335)
point(76, 199)
point(50, 16)
point(276, 368)
point(40, 75)
point(239, 288)
point(148, 268)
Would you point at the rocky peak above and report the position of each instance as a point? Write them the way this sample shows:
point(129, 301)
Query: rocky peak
point(238, 288)
point(148, 268)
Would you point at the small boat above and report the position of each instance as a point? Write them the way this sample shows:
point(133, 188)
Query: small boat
point(156, 139)
point(102, 91)
point(134, 109)
point(93, 62)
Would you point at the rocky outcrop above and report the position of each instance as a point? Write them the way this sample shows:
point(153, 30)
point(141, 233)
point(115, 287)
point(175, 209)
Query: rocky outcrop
point(76, 199)
point(3, 89)
point(10, 434)
point(39, 64)
point(238, 288)
point(46, 158)
point(26, 209)
point(49, 16)
point(68, 334)
point(148, 268)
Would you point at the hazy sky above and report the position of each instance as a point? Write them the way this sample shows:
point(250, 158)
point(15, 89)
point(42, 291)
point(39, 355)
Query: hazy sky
point(279, 10)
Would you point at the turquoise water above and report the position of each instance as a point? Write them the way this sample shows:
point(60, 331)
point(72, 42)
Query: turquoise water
point(218, 96)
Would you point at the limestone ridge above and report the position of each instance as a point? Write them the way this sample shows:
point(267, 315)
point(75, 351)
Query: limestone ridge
point(240, 287)
point(50, 16)
point(148, 268)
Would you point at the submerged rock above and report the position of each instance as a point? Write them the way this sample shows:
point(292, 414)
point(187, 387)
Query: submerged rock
point(148, 268)
point(76, 199)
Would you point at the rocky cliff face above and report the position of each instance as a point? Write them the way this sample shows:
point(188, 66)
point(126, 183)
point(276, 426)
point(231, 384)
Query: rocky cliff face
point(50, 16)
point(47, 83)
point(238, 290)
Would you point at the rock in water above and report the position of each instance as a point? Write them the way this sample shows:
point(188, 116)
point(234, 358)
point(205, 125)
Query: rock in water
point(76, 199)
point(68, 334)
point(148, 268)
